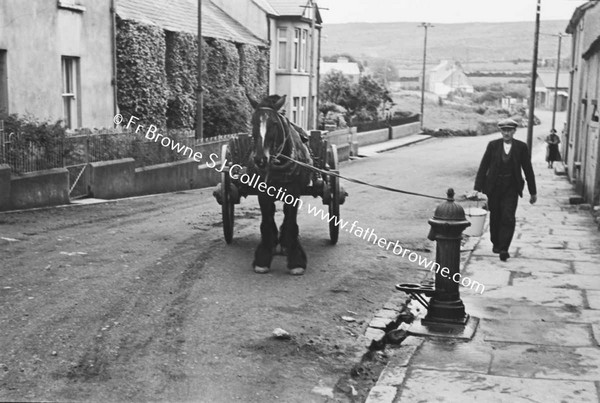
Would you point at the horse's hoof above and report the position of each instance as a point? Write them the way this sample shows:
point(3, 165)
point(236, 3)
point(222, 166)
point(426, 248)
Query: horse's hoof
point(261, 270)
point(297, 271)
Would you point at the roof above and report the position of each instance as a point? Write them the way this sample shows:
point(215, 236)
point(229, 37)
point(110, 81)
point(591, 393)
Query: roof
point(294, 8)
point(265, 6)
point(548, 80)
point(348, 68)
point(182, 16)
point(577, 14)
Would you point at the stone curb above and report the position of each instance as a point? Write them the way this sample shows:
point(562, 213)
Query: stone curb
point(392, 376)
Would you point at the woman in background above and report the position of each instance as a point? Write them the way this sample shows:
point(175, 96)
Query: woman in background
point(552, 153)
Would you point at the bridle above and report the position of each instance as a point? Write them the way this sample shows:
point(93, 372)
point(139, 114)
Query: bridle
point(285, 129)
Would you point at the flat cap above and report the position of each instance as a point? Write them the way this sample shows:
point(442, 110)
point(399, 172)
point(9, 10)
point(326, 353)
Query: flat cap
point(507, 123)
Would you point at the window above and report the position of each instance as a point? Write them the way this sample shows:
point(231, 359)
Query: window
point(74, 5)
point(70, 92)
point(303, 112)
point(304, 51)
point(296, 48)
point(295, 103)
point(281, 48)
point(3, 85)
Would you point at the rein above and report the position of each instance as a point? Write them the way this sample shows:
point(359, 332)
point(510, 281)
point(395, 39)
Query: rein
point(286, 134)
point(389, 189)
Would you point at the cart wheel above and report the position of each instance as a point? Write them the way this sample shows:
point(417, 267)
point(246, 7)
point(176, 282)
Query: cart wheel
point(227, 206)
point(334, 200)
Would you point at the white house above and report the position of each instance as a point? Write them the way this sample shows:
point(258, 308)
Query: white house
point(343, 65)
point(447, 77)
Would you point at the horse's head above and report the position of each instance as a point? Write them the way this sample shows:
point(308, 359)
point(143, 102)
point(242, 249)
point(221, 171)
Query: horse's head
point(269, 130)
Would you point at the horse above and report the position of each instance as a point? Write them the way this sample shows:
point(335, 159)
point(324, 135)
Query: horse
point(273, 136)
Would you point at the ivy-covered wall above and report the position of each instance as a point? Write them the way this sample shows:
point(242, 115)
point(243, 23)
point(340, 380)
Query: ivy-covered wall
point(182, 78)
point(254, 71)
point(141, 75)
point(157, 78)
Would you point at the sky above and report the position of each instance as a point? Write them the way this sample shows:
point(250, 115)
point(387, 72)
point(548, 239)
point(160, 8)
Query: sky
point(444, 11)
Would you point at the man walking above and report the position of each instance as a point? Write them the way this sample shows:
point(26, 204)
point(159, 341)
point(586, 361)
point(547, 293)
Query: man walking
point(499, 177)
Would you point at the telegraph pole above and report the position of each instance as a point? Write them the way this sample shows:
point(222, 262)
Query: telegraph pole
point(560, 35)
point(424, 25)
point(533, 77)
point(199, 91)
point(312, 65)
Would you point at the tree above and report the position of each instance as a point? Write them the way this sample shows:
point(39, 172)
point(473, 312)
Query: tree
point(362, 101)
point(384, 70)
point(336, 88)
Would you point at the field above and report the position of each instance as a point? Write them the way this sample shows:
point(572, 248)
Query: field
point(449, 115)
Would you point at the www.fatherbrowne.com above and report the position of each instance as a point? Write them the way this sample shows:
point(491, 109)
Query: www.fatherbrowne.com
point(237, 172)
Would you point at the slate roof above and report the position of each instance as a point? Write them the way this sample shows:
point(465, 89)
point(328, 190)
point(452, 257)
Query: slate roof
point(293, 8)
point(182, 16)
point(266, 6)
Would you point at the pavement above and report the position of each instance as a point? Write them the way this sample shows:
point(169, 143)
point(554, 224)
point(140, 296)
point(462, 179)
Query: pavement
point(373, 149)
point(538, 331)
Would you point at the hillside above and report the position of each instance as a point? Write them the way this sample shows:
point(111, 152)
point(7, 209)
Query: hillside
point(478, 46)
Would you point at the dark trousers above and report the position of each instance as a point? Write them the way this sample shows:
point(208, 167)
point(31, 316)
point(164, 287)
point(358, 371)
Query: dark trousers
point(503, 206)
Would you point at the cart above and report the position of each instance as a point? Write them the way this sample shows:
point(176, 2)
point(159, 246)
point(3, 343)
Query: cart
point(325, 157)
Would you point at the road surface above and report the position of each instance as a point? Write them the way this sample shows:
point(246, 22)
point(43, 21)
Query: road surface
point(141, 299)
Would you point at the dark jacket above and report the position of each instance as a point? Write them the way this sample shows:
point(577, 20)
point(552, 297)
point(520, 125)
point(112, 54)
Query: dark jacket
point(487, 175)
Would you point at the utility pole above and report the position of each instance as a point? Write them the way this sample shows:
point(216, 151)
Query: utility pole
point(312, 65)
point(560, 35)
point(424, 25)
point(533, 77)
point(199, 91)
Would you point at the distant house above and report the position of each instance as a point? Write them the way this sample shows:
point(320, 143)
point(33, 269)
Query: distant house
point(343, 65)
point(545, 89)
point(447, 77)
point(581, 140)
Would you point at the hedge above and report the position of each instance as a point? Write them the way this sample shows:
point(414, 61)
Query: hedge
point(141, 75)
point(182, 79)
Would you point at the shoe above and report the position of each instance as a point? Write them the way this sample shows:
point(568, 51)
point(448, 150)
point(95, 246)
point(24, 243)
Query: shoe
point(496, 249)
point(504, 255)
point(297, 271)
point(261, 270)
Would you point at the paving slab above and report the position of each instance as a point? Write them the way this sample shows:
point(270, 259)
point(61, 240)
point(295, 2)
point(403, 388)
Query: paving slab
point(537, 332)
point(533, 252)
point(545, 362)
point(550, 297)
point(444, 386)
point(519, 265)
point(502, 309)
point(559, 280)
point(590, 316)
point(487, 275)
point(453, 355)
point(589, 268)
point(596, 332)
point(593, 298)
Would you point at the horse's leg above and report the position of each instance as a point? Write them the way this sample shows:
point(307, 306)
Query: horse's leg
point(296, 257)
point(263, 255)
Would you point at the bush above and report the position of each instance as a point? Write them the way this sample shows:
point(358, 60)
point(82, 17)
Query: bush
point(34, 143)
point(450, 133)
